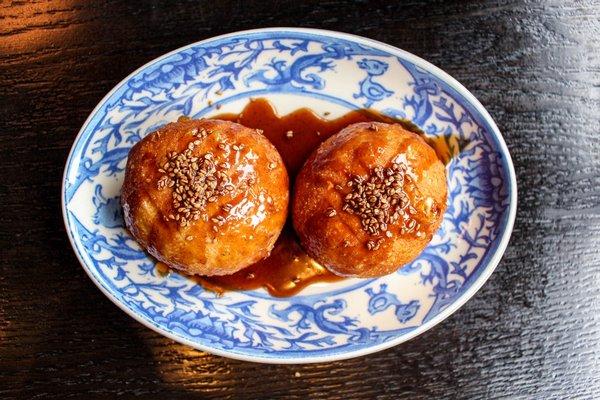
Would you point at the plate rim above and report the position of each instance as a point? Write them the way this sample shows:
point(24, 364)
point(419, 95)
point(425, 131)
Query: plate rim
point(447, 312)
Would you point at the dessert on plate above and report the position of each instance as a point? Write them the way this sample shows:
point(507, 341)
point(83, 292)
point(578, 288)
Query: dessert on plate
point(206, 197)
point(369, 199)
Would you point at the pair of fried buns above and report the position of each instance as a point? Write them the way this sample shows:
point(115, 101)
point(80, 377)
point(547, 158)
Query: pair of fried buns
point(210, 197)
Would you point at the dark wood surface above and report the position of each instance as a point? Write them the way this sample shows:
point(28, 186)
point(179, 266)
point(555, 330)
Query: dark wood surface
point(533, 331)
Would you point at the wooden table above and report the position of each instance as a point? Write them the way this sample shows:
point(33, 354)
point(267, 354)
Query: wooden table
point(533, 331)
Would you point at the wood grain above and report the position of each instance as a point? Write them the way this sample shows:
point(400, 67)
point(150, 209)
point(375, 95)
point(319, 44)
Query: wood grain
point(533, 331)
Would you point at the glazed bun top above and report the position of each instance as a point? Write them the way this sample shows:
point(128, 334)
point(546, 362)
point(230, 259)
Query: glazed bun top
point(369, 199)
point(205, 196)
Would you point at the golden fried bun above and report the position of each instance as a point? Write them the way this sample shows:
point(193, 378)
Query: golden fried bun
point(369, 199)
point(207, 197)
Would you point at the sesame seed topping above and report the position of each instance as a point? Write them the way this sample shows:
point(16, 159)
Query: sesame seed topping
point(194, 179)
point(272, 165)
point(188, 238)
point(289, 134)
point(381, 200)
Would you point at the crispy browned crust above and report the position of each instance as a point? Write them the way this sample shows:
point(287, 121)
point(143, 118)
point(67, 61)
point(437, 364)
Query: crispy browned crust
point(339, 243)
point(250, 228)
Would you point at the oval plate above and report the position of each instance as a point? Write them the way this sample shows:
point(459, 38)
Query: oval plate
point(326, 71)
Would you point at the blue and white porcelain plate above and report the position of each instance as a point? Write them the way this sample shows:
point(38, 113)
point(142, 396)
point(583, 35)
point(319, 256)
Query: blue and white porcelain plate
point(293, 68)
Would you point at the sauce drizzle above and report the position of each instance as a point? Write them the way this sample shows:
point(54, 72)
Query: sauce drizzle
point(288, 269)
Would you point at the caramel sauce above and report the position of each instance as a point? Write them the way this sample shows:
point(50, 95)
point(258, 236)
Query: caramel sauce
point(289, 269)
point(284, 273)
point(307, 129)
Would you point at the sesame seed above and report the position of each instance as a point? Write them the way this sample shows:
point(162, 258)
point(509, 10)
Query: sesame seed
point(272, 165)
point(188, 238)
point(346, 243)
point(330, 212)
point(289, 134)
